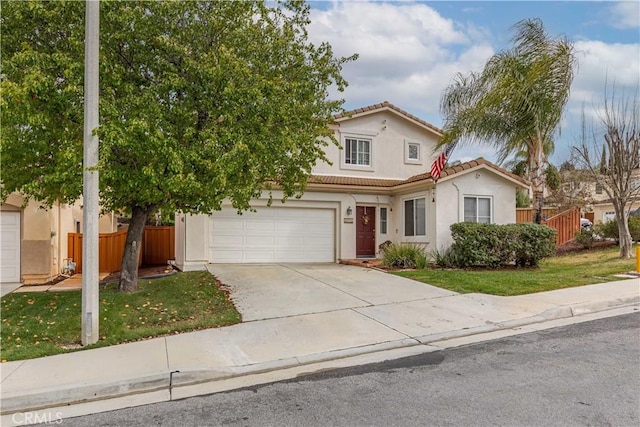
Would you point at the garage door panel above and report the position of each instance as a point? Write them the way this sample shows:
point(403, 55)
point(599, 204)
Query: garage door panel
point(315, 229)
point(259, 255)
point(268, 241)
point(320, 242)
point(259, 226)
point(226, 255)
point(273, 235)
point(228, 227)
point(292, 242)
point(292, 256)
point(229, 240)
point(291, 228)
point(9, 247)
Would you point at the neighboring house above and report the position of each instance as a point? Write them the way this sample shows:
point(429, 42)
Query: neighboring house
point(604, 211)
point(602, 207)
point(33, 240)
point(377, 189)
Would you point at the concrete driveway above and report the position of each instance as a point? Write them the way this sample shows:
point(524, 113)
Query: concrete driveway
point(266, 291)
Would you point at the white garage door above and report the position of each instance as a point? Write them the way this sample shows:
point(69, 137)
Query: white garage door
point(9, 247)
point(272, 235)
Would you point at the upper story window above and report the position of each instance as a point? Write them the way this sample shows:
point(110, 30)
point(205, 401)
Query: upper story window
point(599, 188)
point(477, 209)
point(412, 152)
point(357, 151)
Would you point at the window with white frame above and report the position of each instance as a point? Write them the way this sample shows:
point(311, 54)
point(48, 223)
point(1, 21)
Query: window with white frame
point(477, 209)
point(357, 151)
point(599, 188)
point(383, 220)
point(415, 217)
point(412, 152)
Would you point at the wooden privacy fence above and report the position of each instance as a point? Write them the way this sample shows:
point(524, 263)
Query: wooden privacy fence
point(526, 214)
point(566, 223)
point(158, 246)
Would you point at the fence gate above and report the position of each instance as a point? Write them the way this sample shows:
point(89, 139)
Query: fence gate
point(158, 247)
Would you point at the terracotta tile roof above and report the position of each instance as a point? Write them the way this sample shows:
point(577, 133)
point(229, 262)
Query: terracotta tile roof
point(387, 105)
point(390, 183)
point(354, 181)
point(481, 161)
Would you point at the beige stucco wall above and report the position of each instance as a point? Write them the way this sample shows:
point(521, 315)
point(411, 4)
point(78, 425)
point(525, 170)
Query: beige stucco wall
point(389, 134)
point(480, 181)
point(44, 235)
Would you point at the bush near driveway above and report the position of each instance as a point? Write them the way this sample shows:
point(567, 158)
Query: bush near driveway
point(36, 324)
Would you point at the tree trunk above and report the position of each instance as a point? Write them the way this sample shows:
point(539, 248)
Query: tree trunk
point(536, 171)
point(538, 202)
point(131, 255)
point(626, 243)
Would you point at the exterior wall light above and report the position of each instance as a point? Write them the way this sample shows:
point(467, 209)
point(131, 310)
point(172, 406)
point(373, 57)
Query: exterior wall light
point(349, 211)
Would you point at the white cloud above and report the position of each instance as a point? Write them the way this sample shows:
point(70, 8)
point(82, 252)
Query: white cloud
point(408, 52)
point(625, 14)
point(600, 63)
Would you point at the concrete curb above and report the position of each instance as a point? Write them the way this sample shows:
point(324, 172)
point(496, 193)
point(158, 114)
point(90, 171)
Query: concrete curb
point(70, 394)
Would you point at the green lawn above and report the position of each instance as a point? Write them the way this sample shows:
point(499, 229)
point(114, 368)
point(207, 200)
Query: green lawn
point(583, 268)
point(39, 324)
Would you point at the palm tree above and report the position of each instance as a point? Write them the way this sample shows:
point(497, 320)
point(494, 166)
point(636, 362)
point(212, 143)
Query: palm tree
point(516, 102)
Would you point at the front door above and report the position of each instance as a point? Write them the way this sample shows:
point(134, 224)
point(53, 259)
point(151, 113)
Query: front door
point(365, 231)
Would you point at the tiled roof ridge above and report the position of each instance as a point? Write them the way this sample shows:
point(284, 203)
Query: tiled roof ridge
point(387, 104)
point(389, 183)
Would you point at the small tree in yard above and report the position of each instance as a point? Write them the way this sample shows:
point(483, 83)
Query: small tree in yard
point(617, 134)
point(199, 101)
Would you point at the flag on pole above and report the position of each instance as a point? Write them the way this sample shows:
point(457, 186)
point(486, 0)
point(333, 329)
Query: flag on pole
point(438, 164)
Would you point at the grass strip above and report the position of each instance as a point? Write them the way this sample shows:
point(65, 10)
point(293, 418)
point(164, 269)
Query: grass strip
point(576, 269)
point(36, 324)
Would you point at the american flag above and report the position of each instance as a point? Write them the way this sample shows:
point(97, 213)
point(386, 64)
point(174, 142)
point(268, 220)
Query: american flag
point(439, 163)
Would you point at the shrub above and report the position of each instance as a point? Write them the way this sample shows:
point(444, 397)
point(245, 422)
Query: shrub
point(446, 258)
point(532, 243)
point(493, 245)
point(609, 229)
point(404, 255)
point(486, 245)
point(585, 238)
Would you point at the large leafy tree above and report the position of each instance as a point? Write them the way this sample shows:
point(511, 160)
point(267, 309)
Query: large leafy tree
point(199, 101)
point(516, 102)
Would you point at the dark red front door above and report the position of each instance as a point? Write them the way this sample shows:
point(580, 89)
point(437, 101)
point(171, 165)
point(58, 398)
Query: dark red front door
point(365, 231)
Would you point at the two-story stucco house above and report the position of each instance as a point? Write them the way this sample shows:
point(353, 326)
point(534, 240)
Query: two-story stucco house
point(377, 189)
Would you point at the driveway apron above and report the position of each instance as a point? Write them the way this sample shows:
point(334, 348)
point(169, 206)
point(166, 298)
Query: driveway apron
point(265, 291)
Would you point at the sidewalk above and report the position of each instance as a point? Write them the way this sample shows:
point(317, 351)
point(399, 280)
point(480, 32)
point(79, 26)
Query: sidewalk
point(208, 361)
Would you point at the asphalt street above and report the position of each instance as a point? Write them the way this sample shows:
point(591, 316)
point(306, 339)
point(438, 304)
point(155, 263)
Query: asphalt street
point(578, 375)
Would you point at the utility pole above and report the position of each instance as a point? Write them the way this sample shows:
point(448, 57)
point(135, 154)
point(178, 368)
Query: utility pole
point(90, 189)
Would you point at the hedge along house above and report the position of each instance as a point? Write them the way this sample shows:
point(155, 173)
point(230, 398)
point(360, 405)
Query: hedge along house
point(377, 189)
point(33, 240)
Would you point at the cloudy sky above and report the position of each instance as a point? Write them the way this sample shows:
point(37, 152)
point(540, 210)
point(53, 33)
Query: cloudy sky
point(409, 50)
